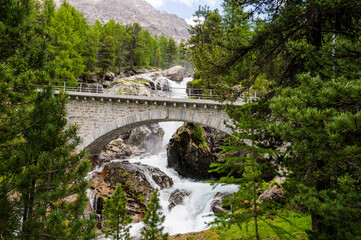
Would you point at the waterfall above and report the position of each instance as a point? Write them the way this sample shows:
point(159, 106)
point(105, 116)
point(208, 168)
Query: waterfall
point(195, 212)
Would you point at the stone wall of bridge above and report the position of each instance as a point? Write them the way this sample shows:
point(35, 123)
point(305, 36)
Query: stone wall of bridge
point(102, 118)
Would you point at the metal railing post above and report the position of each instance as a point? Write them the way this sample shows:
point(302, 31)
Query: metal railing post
point(64, 86)
point(81, 84)
point(97, 87)
point(189, 93)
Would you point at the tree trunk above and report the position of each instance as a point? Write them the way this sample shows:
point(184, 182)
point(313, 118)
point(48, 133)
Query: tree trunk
point(314, 19)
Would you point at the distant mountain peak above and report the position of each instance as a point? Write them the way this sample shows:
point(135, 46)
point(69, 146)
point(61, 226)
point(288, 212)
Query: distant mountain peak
point(130, 11)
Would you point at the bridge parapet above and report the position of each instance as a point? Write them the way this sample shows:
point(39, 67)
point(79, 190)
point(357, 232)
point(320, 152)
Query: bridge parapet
point(103, 117)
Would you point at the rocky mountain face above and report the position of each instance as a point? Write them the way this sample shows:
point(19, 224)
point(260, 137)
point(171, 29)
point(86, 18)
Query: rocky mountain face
point(130, 11)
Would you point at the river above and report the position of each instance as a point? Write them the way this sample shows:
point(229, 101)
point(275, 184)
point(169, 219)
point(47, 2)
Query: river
point(195, 212)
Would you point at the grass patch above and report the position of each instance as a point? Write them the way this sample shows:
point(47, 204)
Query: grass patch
point(293, 226)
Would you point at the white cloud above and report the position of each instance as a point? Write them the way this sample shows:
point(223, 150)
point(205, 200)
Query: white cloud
point(196, 3)
point(156, 3)
point(191, 21)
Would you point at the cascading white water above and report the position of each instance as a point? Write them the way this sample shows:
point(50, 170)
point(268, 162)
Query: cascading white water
point(195, 212)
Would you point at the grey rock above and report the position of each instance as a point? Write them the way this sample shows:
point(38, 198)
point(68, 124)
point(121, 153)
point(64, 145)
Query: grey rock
point(274, 194)
point(109, 76)
point(176, 73)
point(133, 178)
point(218, 203)
point(177, 198)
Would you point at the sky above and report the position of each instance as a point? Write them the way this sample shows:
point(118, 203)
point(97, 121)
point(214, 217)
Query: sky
point(184, 8)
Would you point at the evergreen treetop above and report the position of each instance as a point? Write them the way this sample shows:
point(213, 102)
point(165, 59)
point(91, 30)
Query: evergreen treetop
point(153, 220)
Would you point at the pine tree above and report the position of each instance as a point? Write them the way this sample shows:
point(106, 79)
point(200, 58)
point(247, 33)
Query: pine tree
point(115, 212)
point(41, 178)
point(316, 38)
point(106, 54)
point(163, 44)
point(245, 166)
point(69, 29)
point(322, 120)
point(52, 185)
point(153, 220)
point(133, 31)
point(171, 52)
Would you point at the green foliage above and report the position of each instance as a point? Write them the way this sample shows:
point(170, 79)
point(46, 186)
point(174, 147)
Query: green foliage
point(68, 28)
point(197, 136)
point(153, 220)
point(285, 225)
point(115, 212)
point(41, 178)
point(247, 163)
point(307, 57)
point(171, 52)
point(106, 53)
point(52, 175)
point(326, 145)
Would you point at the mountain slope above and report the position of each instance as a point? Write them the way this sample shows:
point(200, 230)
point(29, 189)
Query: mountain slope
point(130, 11)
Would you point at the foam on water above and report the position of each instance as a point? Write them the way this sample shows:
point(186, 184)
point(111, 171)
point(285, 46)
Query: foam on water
point(195, 212)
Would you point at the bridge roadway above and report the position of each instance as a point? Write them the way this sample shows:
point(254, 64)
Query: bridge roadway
point(103, 117)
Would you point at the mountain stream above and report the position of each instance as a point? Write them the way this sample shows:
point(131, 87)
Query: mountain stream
point(195, 212)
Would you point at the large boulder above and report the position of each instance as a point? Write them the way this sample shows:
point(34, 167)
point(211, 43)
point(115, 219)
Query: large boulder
point(135, 181)
point(191, 153)
point(188, 156)
point(148, 137)
point(176, 73)
point(193, 148)
point(109, 76)
point(143, 139)
point(117, 149)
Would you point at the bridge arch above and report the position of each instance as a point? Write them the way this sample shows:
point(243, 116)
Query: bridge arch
point(100, 137)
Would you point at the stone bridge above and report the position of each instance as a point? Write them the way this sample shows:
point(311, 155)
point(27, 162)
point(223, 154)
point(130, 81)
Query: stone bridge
point(102, 117)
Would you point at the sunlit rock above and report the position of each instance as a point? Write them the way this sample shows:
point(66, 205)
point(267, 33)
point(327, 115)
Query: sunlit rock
point(176, 73)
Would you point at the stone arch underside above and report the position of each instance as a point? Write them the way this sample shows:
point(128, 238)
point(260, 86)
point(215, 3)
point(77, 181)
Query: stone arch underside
point(100, 137)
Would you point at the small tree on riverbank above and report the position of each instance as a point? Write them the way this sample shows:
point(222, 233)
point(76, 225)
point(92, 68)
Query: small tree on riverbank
point(153, 220)
point(116, 213)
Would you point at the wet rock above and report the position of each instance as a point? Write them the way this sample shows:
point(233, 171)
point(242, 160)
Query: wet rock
point(177, 198)
point(117, 149)
point(148, 137)
point(191, 154)
point(218, 203)
point(155, 75)
point(137, 181)
point(176, 73)
point(160, 83)
point(189, 157)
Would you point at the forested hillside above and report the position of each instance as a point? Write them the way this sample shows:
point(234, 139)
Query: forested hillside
point(131, 11)
point(77, 49)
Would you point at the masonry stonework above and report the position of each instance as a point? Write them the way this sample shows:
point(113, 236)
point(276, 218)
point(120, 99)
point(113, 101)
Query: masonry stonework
point(102, 118)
